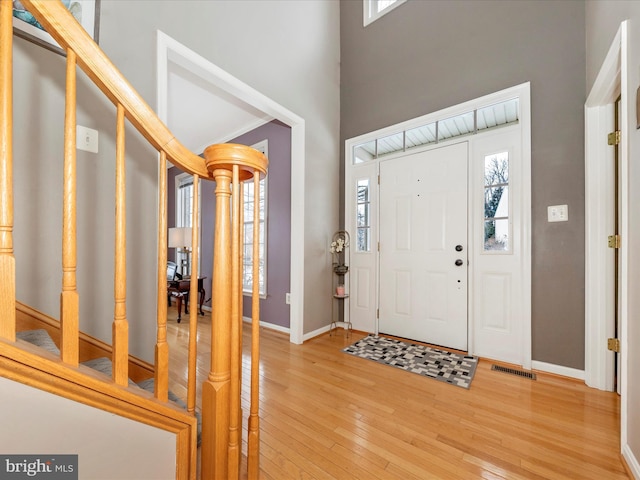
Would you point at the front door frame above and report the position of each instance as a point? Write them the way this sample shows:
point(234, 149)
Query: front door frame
point(364, 292)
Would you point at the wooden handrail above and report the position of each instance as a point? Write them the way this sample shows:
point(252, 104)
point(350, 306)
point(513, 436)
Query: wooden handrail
point(61, 25)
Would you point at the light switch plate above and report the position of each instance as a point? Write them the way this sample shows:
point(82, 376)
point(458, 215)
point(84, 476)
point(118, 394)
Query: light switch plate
point(558, 213)
point(86, 139)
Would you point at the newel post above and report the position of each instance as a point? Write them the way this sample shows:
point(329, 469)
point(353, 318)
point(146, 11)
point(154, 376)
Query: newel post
point(228, 165)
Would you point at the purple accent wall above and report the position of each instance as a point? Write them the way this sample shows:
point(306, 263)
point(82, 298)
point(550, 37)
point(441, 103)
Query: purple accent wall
point(273, 309)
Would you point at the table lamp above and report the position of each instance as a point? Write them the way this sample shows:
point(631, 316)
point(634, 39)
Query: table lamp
point(180, 237)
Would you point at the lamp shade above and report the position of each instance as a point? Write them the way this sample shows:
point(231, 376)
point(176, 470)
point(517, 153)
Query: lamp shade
point(180, 237)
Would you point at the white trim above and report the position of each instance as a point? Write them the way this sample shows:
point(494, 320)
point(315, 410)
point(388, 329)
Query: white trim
point(270, 326)
point(599, 191)
point(452, 111)
point(599, 261)
point(170, 49)
point(632, 461)
point(607, 84)
point(628, 93)
point(315, 333)
point(525, 212)
point(557, 370)
point(611, 81)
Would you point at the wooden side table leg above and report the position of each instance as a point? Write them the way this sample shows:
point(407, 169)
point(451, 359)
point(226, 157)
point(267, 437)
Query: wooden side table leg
point(179, 305)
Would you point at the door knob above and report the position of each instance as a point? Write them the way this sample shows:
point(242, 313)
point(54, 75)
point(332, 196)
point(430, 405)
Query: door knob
point(459, 262)
point(458, 248)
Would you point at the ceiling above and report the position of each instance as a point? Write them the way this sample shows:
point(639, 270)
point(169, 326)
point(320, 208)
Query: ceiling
point(201, 114)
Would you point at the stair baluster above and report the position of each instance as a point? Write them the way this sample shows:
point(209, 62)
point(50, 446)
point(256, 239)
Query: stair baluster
point(253, 435)
point(193, 292)
point(7, 259)
point(120, 329)
point(161, 375)
point(235, 420)
point(69, 300)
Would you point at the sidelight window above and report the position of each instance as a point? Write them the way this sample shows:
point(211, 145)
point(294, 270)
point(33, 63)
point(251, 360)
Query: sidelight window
point(496, 203)
point(363, 216)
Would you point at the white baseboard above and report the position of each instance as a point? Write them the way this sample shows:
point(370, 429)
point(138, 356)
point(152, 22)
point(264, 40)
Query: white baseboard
point(632, 461)
point(315, 333)
point(277, 328)
point(557, 369)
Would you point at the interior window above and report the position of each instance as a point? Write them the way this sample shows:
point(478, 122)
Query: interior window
point(247, 262)
point(184, 210)
point(374, 9)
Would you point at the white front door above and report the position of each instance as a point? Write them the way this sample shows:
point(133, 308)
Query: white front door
point(423, 246)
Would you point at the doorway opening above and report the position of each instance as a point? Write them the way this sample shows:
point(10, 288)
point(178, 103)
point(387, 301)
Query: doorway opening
point(170, 50)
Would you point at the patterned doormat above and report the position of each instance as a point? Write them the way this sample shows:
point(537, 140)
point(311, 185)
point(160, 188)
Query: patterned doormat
point(445, 366)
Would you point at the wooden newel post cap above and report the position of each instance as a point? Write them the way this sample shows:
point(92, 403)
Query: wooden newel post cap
point(226, 155)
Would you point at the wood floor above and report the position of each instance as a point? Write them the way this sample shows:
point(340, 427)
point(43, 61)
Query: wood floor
point(329, 415)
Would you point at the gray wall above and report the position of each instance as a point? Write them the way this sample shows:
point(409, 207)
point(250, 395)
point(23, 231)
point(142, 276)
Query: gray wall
point(425, 56)
point(273, 309)
point(603, 19)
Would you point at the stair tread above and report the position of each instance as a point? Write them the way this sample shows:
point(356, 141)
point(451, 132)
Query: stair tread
point(41, 338)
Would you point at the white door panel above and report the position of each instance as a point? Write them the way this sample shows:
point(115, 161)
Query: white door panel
point(423, 217)
point(363, 301)
point(496, 279)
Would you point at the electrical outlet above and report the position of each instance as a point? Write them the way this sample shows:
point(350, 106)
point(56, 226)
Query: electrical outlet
point(86, 139)
point(558, 213)
point(287, 298)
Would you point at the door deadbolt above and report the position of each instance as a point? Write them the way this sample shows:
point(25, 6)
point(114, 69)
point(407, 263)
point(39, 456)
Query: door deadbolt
point(459, 262)
point(458, 248)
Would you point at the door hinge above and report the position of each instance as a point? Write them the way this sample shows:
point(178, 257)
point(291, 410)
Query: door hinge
point(378, 246)
point(613, 344)
point(614, 138)
point(377, 313)
point(378, 179)
point(614, 241)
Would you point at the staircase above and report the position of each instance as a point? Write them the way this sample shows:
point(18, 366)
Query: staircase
point(53, 355)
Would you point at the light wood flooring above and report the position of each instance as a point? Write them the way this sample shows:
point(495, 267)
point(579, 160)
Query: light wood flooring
point(328, 415)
